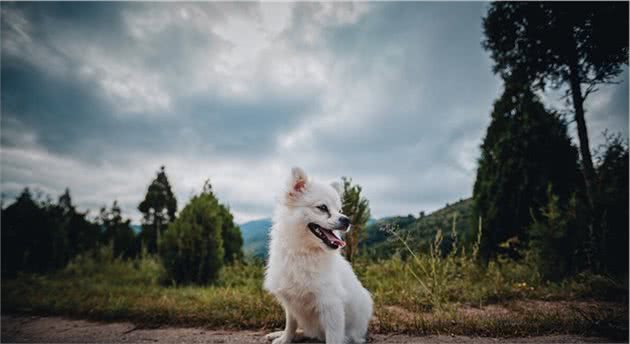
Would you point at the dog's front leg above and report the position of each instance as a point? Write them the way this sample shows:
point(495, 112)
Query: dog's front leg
point(332, 318)
point(289, 329)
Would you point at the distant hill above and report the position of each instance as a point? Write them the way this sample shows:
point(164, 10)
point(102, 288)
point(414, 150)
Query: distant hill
point(419, 232)
point(255, 237)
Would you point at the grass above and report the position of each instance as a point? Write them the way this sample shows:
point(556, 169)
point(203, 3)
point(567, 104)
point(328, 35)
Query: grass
point(134, 290)
point(455, 297)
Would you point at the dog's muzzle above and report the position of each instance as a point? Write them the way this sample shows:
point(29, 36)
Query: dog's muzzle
point(327, 236)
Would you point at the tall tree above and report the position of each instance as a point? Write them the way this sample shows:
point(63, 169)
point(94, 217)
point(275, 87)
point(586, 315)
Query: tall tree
point(41, 236)
point(26, 236)
point(158, 210)
point(117, 231)
point(525, 150)
point(82, 235)
point(579, 45)
point(357, 208)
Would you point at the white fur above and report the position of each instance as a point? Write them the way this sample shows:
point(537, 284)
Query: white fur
point(315, 285)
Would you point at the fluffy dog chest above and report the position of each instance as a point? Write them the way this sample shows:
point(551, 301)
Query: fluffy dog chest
point(298, 276)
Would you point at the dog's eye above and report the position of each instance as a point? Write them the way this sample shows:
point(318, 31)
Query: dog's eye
point(323, 208)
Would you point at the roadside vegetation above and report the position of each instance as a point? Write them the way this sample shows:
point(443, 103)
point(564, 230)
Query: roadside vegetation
point(428, 294)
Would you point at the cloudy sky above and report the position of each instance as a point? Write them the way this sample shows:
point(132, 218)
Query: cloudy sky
point(97, 96)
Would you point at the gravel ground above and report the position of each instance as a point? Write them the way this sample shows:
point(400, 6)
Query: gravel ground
point(33, 329)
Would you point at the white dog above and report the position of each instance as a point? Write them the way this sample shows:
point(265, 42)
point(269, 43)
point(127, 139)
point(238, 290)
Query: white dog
point(315, 285)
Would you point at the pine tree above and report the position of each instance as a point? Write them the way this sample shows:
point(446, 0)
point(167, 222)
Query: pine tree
point(357, 208)
point(42, 236)
point(21, 237)
point(117, 232)
point(34, 239)
point(525, 150)
point(158, 210)
point(81, 234)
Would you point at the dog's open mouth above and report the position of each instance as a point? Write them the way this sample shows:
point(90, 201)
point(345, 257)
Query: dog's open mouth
point(327, 236)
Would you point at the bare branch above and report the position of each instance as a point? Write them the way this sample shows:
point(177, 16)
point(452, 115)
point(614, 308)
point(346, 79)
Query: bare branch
point(592, 88)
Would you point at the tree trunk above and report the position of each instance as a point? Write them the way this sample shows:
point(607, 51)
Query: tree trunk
point(587, 167)
point(585, 152)
point(350, 246)
point(157, 237)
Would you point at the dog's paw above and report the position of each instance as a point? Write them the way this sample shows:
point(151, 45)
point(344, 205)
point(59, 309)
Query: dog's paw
point(281, 340)
point(274, 335)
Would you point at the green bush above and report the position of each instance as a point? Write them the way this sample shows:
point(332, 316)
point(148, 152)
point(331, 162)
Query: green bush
point(232, 238)
point(191, 248)
point(551, 245)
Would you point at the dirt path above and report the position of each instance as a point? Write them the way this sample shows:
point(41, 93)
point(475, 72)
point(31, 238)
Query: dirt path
point(61, 330)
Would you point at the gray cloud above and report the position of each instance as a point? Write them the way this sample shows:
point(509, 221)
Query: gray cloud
point(97, 96)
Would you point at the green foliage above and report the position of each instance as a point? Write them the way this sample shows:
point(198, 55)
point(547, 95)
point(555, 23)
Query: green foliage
point(43, 236)
point(28, 242)
point(82, 235)
point(434, 272)
point(231, 234)
point(118, 232)
point(441, 283)
point(612, 207)
point(563, 45)
point(541, 41)
point(552, 238)
point(563, 243)
point(102, 266)
point(357, 208)
point(192, 246)
point(158, 210)
point(525, 149)
point(420, 232)
point(244, 273)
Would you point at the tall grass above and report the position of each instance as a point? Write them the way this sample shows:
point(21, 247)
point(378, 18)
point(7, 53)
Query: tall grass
point(436, 272)
point(441, 282)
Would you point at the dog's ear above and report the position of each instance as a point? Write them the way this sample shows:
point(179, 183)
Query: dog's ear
point(337, 186)
point(297, 183)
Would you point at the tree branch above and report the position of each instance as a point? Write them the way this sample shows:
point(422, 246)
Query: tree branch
point(592, 88)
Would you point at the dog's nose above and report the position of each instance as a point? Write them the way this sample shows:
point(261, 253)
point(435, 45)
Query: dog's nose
point(344, 221)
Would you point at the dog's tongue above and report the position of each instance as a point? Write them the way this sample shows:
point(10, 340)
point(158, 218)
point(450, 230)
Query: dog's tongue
point(334, 238)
